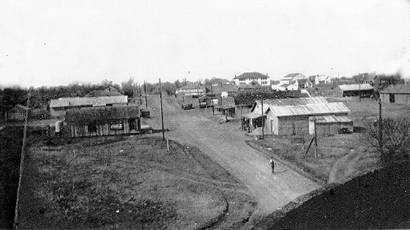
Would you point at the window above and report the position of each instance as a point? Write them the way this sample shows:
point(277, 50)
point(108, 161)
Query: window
point(117, 125)
point(391, 98)
point(132, 123)
point(92, 127)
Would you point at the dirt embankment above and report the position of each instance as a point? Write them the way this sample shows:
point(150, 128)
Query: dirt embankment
point(10, 148)
point(128, 182)
point(380, 199)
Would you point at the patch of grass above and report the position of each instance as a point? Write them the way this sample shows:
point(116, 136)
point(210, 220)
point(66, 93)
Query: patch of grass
point(330, 149)
point(131, 183)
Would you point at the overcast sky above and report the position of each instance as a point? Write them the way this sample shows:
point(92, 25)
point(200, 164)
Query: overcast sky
point(54, 42)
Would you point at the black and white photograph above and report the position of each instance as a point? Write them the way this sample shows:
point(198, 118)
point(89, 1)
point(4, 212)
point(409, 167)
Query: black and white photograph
point(209, 114)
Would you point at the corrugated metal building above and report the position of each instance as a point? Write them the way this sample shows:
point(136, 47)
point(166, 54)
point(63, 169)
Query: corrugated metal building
point(329, 125)
point(103, 121)
point(58, 107)
point(291, 116)
point(397, 94)
point(363, 90)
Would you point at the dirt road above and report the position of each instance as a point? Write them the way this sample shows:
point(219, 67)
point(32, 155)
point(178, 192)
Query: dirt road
point(225, 143)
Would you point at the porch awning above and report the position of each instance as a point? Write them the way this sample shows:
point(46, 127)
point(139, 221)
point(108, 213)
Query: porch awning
point(252, 115)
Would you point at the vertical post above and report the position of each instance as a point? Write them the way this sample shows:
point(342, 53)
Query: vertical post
point(146, 101)
point(16, 208)
point(380, 125)
point(162, 113)
point(263, 120)
point(314, 122)
point(360, 93)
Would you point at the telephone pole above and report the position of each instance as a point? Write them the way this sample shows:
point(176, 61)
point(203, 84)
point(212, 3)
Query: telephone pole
point(162, 113)
point(263, 120)
point(21, 169)
point(146, 101)
point(380, 122)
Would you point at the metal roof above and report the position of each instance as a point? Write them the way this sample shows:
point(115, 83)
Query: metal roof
point(354, 87)
point(252, 76)
point(331, 119)
point(401, 88)
point(252, 115)
point(294, 101)
point(91, 101)
point(101, 114)
point(309, 109)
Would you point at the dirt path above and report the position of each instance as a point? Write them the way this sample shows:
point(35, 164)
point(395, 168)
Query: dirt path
point(225, 144)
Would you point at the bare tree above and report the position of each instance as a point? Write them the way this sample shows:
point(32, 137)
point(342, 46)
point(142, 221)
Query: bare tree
point(395, 142)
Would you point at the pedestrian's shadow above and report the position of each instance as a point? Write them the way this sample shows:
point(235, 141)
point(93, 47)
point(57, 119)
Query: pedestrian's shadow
point(280, 172)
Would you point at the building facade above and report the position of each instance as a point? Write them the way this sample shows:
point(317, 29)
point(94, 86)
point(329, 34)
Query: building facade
point(252, 78)
point(102, 121)
point(292, 116)
point(396, 94)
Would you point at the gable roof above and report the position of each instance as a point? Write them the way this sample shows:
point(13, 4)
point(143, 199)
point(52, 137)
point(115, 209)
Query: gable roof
point(99, 114)
point(251, 76)
point(356, 87)
point(87, 101)
point(401, 89)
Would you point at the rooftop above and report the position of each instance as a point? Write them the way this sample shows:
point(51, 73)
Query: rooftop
point(309, 109)
point(353, 87)
point(91, 101)
point(98, 114)
point(401, 88)
point(252, 76)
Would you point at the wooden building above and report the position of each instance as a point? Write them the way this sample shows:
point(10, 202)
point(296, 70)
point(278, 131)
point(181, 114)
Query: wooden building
point(396, 94)
point(58, 107)
point(329, 124)
point(292, 116)
point(17, 113)
point(103, 121)
point(354, 90)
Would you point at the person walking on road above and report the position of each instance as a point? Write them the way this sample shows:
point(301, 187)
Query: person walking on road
point(272, 164)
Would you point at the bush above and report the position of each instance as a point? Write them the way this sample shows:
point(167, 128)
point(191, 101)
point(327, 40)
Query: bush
point(395, 142)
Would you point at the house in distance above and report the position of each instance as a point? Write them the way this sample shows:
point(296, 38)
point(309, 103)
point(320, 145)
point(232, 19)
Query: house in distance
point(252, 78)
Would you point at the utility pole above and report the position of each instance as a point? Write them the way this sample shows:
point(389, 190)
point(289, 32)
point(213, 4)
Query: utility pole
point(22, 154)
point(360, 92)
point(314, 121)
point(146, 101)
point(263, 120)
point(162, 113)
point(380, 122)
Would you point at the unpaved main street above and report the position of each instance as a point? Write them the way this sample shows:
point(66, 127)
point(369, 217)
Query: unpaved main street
point(225, 144)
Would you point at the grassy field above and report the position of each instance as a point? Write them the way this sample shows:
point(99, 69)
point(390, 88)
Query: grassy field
point(342, 156)
point(127, 182)
point(10, 142)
